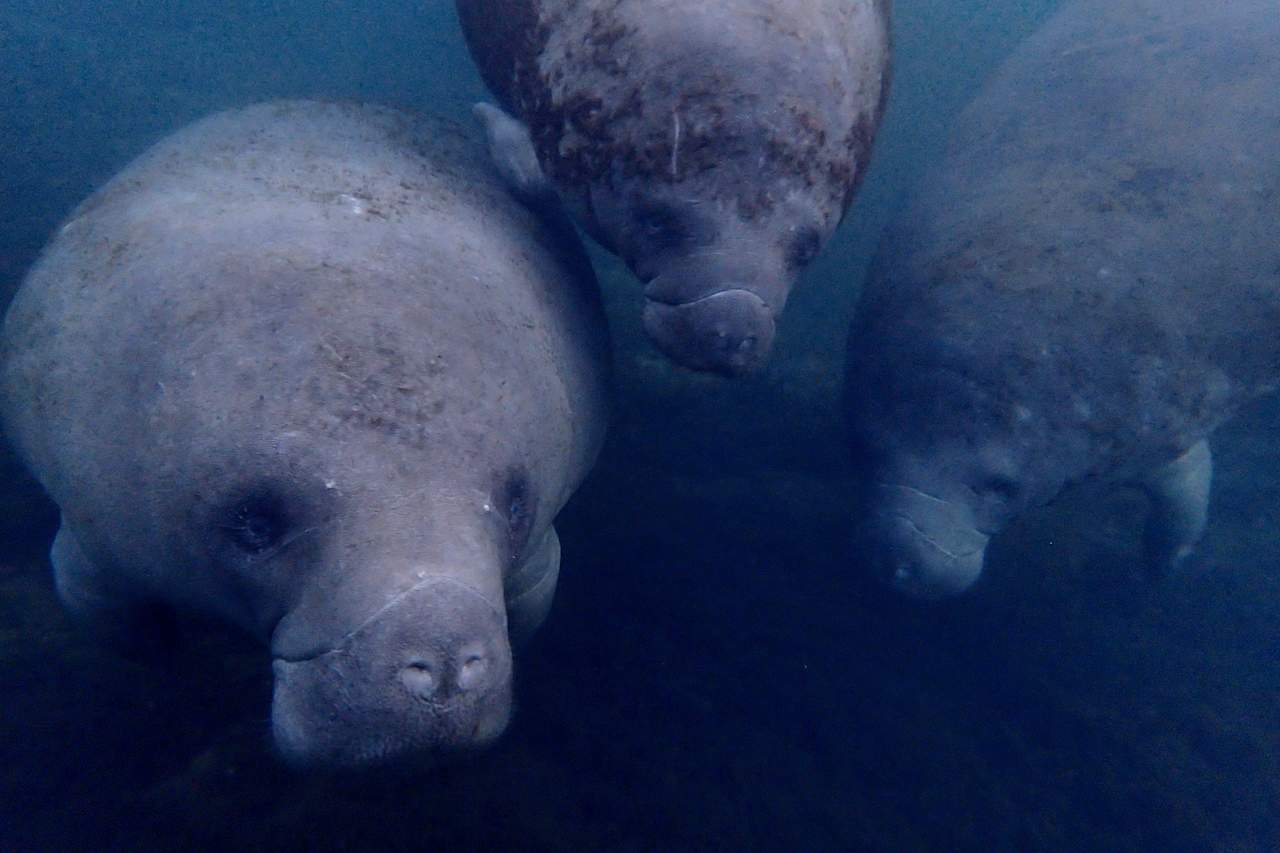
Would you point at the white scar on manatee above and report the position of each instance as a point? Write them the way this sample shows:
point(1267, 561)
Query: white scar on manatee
point(955, 555)
point(675, 143)
point(911, 522)
point(421, 579)
point(913, 490)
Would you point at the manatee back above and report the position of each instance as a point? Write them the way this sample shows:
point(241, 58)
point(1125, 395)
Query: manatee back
point(1096, 256)
point(755, 98)
point(225, 280)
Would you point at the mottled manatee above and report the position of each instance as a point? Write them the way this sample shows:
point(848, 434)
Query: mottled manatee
point(311, 369)
point(713, 146)
point(1085, 286)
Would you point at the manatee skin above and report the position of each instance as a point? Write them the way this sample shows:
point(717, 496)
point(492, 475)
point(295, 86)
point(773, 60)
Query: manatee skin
point(713, 146)
point(1084, 288)
point(309, 368)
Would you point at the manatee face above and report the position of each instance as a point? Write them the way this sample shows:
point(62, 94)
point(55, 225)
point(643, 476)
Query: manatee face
point(363, 535)
point(384, 614)
point(365, 538)
point(926, 532)
point(944, 467)
point(714, 281)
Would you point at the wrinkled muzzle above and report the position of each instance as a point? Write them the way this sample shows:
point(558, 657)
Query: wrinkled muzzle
point(922, 545)
point(729, 332)
point(429, 675)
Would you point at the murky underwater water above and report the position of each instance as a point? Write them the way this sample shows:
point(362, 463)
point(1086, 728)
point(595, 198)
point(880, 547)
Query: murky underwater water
point(716, 674)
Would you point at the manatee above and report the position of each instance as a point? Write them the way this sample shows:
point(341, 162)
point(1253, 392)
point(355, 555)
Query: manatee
point(310, 369)
point(1084, 287)
point(713, 146)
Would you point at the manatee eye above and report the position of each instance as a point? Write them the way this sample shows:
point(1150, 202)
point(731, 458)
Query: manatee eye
point(803, 248)
point(661, 223)
point(516, 502)
point(256, 523)
point(1001, 488)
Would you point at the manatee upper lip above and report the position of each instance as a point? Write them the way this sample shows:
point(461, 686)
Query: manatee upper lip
point(986, 534)
point(955, 555)
point(689, 288)
point(704, 298)
point(344, 641)
point(913, 490)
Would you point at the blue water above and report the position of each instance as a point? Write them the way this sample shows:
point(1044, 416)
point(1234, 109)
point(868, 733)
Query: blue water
point(715, 675)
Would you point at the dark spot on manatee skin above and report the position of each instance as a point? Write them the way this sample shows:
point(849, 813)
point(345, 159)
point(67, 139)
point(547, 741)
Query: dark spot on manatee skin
point(1148, 190)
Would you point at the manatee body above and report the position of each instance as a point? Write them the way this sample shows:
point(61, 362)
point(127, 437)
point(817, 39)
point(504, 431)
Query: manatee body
point(311, 369)
point(1086, 286)
point(714, 146)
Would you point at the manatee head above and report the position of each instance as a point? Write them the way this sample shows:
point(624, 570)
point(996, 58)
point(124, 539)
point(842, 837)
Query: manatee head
point(947, 447)
point(926, 521)
point(715, 281)
point(362, 533)
point(713, 146)
point(377, 588)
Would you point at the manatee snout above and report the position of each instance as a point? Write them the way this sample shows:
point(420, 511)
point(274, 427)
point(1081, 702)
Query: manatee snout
point(729, 332)
point(922, 545)
point(428, 675)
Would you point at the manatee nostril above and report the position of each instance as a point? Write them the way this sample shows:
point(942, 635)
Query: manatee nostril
point(473, 668)
point(733, 344)
point(419, 678)
point(472, 672)
point(467, 670)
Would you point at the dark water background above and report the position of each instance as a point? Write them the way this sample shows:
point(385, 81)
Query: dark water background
point(716, 674)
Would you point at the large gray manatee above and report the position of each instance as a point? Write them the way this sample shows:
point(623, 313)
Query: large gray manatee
point(1086, 286)
point(311, 369)
point(714, 145)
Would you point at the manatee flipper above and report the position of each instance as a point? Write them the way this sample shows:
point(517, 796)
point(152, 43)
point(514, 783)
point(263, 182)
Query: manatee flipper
point(1179, 494)
point(531, 587)
point(513, 154)
point(132, 627)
